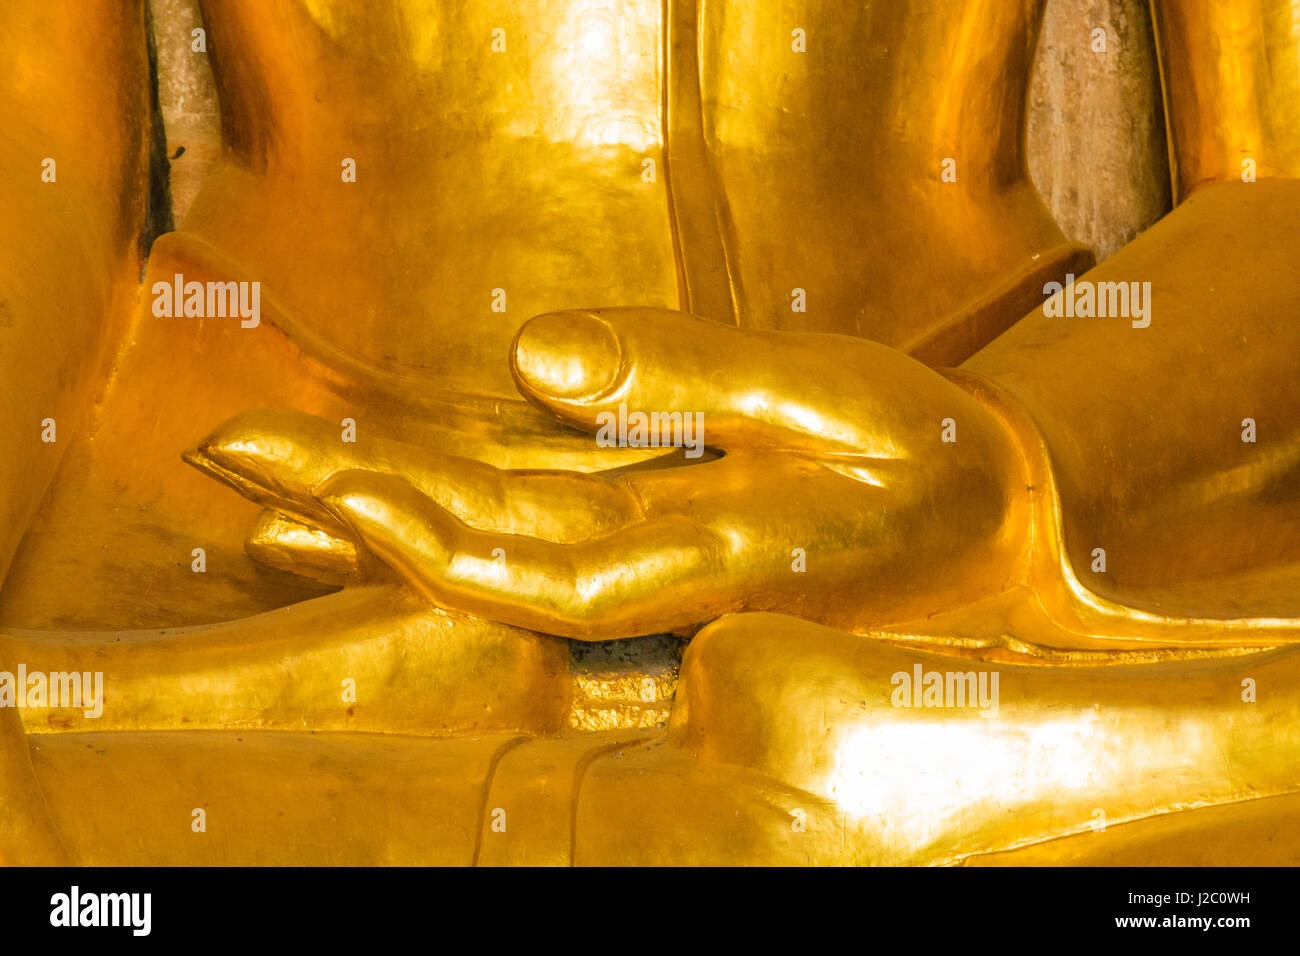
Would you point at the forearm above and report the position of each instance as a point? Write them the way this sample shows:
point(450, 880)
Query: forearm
point(1146, 427)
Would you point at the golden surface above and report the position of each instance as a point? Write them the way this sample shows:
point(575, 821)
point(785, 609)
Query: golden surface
point(1231, 84)
point(565, 211)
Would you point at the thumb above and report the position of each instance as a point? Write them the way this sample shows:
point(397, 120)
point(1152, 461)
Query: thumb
point(753, 388)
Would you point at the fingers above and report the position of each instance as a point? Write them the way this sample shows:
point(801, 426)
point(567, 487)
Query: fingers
point(286, 544)
point(656, 575)
point(276, 457)
point(735, 534)
point(753, 389)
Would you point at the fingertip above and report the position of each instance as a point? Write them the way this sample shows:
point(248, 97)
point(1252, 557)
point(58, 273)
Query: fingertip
point(568, 356)
point(287, 544)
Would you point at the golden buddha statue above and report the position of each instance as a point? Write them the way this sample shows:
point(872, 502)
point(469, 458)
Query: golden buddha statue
point(978, 551)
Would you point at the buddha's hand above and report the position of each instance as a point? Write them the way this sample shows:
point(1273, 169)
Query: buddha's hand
point(855, 486)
